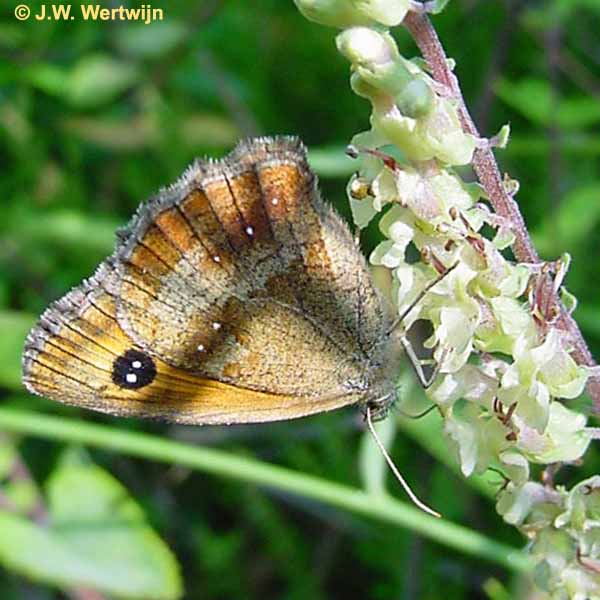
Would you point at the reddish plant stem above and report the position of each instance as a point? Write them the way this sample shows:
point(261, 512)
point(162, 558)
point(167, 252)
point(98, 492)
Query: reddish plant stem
point(486, 168)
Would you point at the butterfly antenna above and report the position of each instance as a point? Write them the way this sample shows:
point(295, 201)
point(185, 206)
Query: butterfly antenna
point(395, 471)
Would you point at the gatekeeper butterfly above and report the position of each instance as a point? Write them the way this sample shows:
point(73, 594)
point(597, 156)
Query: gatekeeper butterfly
point(235, 295)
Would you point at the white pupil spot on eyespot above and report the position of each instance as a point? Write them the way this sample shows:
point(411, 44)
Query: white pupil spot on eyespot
point(275, 201)
point(200, 347)
point(250, 230)
point(217, 259)
point(216, 326)
point(133, 370)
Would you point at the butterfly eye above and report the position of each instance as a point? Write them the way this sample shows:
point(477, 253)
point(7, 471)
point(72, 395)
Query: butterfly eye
point(133, 370)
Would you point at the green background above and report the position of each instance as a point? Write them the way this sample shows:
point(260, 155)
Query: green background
point(96, 116)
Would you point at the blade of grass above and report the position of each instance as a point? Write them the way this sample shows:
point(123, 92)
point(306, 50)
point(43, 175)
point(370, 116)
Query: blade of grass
point(331, 161)
point(382, 508)
point(67, 228)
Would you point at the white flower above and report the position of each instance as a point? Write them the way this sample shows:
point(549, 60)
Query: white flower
point(517, 502)
point(564, 439)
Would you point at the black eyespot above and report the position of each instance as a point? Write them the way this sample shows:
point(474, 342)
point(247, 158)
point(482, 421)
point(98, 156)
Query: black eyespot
point(133, 370)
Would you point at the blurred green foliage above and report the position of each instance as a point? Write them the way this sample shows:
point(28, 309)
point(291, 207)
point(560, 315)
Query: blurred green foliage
point(94, 535)
point(96, 116)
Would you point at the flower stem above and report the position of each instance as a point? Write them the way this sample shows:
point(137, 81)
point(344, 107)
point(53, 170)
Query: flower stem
point(486, 168)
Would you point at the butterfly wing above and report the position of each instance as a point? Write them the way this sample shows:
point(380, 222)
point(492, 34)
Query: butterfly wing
point(235, 295)
point(72, 353)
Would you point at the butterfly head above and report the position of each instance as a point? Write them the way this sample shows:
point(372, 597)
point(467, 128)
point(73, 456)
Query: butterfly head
point(381, 389)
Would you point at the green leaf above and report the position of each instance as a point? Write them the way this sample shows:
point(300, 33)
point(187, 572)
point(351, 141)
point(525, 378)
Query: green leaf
point(572, 145)
point(534, 99)
point(578, 113)
point(150, 42)
point(94, 80)
point(49, 78)
point(573, 222)
point(98, 79)
point(554, 13)
point(531, 97)
point(97, 537)
point(587, 317)
point(64, 228)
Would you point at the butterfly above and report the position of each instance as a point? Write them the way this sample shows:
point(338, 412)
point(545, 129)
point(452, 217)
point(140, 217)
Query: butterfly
point(235, 295)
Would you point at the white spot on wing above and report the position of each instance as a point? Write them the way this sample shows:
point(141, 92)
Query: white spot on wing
point(250, 230)
point(275, 201)
point(136, 364)
point(217, 258)
point(131, 378)
point(216, 326)
point(200, 348)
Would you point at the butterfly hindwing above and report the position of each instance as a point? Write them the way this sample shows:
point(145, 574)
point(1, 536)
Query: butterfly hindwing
point(78, 354)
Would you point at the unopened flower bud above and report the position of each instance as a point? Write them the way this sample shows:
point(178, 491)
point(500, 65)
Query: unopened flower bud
point(348, 13)
point(363, 46)
point(335, 13)
point(416, 99)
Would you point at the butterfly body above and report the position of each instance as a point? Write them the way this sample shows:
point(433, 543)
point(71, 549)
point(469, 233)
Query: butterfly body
point(234, 295)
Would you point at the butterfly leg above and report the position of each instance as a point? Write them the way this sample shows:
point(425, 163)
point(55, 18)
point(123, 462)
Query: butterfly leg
point(420, 297)
point(417, 363)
